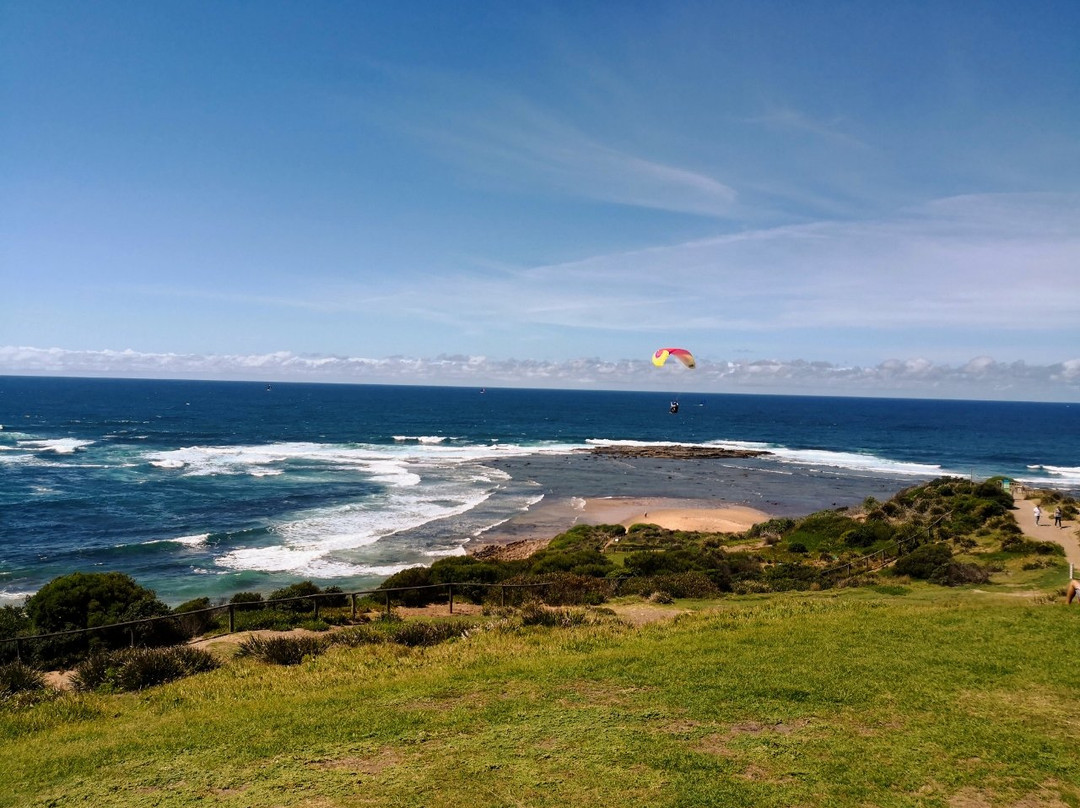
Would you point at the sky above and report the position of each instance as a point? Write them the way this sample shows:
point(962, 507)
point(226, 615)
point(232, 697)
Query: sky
point(815, 198)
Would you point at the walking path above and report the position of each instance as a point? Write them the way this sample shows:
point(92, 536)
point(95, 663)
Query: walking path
point(1045, 530)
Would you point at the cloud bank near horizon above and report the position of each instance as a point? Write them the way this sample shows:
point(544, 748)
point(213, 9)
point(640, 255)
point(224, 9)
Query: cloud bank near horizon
point(980, 378)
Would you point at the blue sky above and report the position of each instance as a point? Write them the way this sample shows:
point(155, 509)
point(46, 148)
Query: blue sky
point(865, 198)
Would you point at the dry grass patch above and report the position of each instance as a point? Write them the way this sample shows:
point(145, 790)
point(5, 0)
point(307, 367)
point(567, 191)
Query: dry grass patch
point(370, 765)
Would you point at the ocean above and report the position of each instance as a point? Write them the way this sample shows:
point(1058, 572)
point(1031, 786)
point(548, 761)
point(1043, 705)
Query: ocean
point(208, 488)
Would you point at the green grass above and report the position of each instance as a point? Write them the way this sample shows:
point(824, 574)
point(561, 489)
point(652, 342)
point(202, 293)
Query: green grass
point(908, 696)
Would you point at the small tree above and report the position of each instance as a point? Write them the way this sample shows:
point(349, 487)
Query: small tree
point(90, 600)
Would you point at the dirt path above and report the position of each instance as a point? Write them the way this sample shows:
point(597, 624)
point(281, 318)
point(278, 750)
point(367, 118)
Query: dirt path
point(1045, 530)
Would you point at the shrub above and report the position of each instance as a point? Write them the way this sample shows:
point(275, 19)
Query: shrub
point(413, 577)
point(140, 668)
point(359, 635)
point(415, 633)
point(246, 601)
point(90, 600)
point(195, 624)
point(15, 677)
point(303, 589)
point(687, 585)
point(662, 597)
point(290, 650)
point(568, 589)
point(797, 547)
point(13, 623)
point(535, 614)
point(923, 562)
point(336, 597)
point(956, 573)
point(266, 618)
point(868, 534)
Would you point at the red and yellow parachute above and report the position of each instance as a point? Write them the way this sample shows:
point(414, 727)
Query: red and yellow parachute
point(683, 355)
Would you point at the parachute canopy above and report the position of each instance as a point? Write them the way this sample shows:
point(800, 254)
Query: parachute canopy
point(683, 355)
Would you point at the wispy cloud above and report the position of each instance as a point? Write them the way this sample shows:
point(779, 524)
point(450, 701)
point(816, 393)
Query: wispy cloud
point(975, 262)
point(793, 120)
point(981, 377)
point(505, 138)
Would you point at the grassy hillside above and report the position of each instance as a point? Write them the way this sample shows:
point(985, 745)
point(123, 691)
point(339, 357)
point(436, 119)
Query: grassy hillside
point(905, 694)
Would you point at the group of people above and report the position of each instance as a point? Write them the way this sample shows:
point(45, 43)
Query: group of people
point(1057, 515)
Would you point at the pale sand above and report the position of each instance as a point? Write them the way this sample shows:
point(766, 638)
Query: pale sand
point(534, 528)
point(673, 514)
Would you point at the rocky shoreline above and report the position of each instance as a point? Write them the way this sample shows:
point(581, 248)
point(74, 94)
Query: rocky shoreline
point(675, 452)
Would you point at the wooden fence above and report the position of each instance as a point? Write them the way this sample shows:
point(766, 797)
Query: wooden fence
point(232, 608)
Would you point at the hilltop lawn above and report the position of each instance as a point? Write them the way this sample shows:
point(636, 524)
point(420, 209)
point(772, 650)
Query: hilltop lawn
point(907, 695)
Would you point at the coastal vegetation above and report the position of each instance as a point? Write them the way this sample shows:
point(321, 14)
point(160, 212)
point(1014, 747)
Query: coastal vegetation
point(905, 652)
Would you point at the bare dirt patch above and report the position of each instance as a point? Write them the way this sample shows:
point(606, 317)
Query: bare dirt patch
point(374, 764)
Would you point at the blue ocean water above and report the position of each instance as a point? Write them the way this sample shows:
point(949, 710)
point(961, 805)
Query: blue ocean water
point(208, 488)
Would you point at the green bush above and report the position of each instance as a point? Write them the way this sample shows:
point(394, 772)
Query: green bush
point(956, 573)
point(246, 601)
point(416, 633)
point(267, 618)
point(14, 622)
point(140, 668)
point(413, 577)
point(355, 636)
point(868, 534)
point(91, 600)
point(924, 561)
point(1022, 546)
point(291, 650)
point(192, 618)
point(687, 585)
point(536, 614)
point(303, 589)
point(15, 677)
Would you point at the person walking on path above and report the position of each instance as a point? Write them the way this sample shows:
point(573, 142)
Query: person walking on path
point(1057, 516)
point(1038, 513)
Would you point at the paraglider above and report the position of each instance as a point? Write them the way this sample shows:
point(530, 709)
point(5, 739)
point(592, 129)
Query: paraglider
point(684, 356)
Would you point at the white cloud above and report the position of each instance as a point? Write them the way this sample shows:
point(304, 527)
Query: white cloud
point(503, 137)
point(977, 262)
point(982, 377)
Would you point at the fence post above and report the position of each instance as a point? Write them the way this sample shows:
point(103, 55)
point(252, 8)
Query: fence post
point(18, 649)
point(387, 604)
point(316, 602)
point(450, 587)
point(502, 595)
point(232, 619)
point(131, 633)
point(352, 602)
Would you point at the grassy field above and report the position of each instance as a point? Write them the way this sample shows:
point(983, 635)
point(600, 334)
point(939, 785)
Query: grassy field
point(897, 696)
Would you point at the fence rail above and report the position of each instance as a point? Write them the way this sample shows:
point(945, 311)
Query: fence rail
point(866, 563)
point(888, 554)
point(232, 608)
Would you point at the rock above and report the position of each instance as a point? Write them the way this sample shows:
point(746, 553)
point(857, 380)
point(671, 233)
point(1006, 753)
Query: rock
point(675, 452)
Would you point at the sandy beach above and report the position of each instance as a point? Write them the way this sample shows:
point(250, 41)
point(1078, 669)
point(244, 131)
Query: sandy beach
point(537, 526)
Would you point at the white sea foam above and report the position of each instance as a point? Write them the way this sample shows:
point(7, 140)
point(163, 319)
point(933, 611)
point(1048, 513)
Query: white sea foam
point(1054, 476)
point(9, 597)
point(457, 551)
point(426, 439)
point(856, 462)
point(330, 542)
point(60, 446)
point(191, 541)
